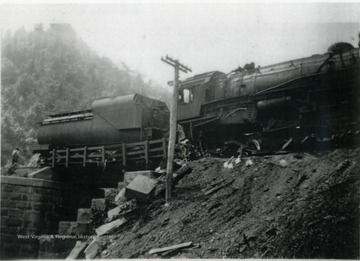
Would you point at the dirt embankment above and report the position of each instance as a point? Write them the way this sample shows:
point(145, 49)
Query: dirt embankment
point(284, 206)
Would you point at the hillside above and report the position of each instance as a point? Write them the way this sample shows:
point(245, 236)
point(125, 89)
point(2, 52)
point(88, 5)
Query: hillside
point(47, 71)
point(297, 205)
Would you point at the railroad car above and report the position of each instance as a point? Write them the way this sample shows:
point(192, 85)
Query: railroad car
point(114, 130)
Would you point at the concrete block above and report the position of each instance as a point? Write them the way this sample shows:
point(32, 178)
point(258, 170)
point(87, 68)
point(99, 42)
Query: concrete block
point(110, 227)
point(32, 215)
point(55, 248)
point(14, 213)
point(75, 228)
point(140, 188)
point(13, 222)
point(98, 203)
point(84, 228)
point(93, 249)
point(77, 250)
point(66, 227)
point(15, 196)
point(83, 215)
point(131, 175)
point(120, 197)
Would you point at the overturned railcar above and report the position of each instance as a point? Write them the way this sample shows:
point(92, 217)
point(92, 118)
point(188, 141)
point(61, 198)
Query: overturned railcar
point(316, 96)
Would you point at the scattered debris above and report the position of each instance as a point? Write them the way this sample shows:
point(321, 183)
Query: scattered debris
point(283, 163)
point(301, 179)
point(174, 247)
point(140, 188)
point(110, 227)
point(227, 163)
point(34, 160)
point(343, 165)
point(257, 144)
point(242, 248)
point(93, 249)
point(121, 210)
point(249, 162)
point(286, 144)
point(180, 173)
point(131, 175)
point(206, 209)
point(78, 248)
point(213, 190)
point(120, 197)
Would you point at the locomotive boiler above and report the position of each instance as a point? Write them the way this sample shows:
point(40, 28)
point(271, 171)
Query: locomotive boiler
point(316, 96)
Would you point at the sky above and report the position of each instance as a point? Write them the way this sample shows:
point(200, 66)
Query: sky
point(203, 36)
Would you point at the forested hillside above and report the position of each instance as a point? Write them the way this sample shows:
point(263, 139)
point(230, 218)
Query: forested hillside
point(51, 71)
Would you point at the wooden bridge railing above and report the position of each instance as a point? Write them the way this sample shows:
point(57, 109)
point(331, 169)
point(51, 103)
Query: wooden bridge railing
point(102, 155)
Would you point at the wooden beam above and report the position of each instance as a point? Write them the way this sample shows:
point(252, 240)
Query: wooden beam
point(146, 150)
point(85, 156)
point(103, 154)
point(67, 158)
point(164, 147)
point(124, 154)
point(174, 247)
point(53, 158)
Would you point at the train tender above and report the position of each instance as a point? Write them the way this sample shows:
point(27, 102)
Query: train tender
point(111, 122)
point(316, 96)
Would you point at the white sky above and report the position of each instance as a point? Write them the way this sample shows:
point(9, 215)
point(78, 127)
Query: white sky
point(203, 36)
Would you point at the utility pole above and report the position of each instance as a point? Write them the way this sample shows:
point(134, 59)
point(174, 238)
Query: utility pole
point(173, 125)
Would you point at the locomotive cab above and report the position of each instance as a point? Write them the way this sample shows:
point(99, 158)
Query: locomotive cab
point(196, 91)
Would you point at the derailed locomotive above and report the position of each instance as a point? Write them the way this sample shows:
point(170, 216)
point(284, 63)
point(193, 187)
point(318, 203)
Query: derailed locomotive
point(316, 97)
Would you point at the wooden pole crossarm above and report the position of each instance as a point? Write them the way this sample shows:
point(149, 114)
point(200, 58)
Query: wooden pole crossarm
point(169, 63)
point(185, 68)
point(172, 62)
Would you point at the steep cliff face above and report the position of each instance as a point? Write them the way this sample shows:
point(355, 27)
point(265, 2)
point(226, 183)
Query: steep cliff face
point(282, 206)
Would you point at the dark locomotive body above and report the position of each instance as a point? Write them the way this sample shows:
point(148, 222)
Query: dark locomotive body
point(317, 95)
point(124, 119)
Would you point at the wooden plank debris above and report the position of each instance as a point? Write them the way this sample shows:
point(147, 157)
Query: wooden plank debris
point(110, 227)
point(165, 249)
point(218, 188)
point(78, 248)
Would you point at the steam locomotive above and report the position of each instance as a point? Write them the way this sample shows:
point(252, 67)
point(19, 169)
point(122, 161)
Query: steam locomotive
point(316, 96)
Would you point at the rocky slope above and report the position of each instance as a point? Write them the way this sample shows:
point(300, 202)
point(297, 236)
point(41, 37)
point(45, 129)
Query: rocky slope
point(281, 206)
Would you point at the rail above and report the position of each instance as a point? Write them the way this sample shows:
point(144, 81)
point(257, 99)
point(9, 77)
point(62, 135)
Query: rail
point(123, 153)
